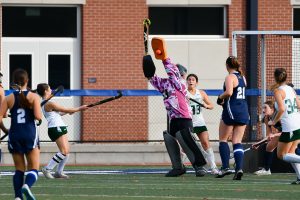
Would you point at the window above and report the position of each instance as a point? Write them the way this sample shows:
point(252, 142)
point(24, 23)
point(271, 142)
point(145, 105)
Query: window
point(297, 19)
point(39, 22)
point(187, 20)
point(20, 62)
point(59, 70)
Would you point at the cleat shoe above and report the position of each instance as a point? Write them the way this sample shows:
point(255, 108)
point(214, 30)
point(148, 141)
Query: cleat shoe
point(18, 198)
point(60, 175)
point(26, 191)
point(263, 172)
point(47, 173)
point(297, 182)
point(214, 171)
point(223, 172)
point(238, 175)
point(200, 171)
point(175, 172)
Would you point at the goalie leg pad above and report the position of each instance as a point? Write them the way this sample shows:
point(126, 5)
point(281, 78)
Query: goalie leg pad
point(190, 147)
point(173, 150)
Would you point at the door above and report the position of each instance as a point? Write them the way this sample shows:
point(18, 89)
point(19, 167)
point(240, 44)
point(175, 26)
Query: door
point(50, 54)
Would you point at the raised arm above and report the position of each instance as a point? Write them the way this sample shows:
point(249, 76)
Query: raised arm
point(173, 73)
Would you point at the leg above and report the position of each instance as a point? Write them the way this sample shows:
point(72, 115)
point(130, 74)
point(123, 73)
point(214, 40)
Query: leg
point(64, 147)
point(225, 132)
point(174, 154)
point(59, 157)
point(208, 151)
point(238, 151)
point(33, 159)
point(18, 178)
point(286, 151)
point(271, 145)
point(192, 149)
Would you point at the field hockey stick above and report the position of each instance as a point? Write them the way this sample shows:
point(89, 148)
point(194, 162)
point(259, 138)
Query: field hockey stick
point(146, 23)
point(197, 102)
point(106, 100)
point(254, 146)
point(58, 90)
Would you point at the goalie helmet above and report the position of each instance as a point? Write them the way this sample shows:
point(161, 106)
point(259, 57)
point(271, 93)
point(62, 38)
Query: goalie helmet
point(182, 69)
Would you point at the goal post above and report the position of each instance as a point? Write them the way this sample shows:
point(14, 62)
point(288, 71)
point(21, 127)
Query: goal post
point(274, 49)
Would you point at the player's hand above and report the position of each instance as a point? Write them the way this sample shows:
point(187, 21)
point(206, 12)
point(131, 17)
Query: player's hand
point(254, 147)
point(83, 107)
point(220, 101)
point(271, 123)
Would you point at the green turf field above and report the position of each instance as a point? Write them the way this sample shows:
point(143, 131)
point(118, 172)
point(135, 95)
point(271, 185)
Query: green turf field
point(158, 187)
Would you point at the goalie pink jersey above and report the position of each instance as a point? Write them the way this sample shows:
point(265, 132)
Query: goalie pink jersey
point(174, 91)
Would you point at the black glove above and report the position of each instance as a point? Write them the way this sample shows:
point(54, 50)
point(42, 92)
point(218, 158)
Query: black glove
point(220, 101)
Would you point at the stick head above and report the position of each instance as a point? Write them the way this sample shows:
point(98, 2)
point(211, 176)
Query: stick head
point(146, 22)
point(58, 90)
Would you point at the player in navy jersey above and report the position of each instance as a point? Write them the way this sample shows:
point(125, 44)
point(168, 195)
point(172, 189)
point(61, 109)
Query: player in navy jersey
point(23, 141)
point(235, 117)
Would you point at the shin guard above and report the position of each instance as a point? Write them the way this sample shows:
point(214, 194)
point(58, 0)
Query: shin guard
point(173, 150)
point(191, 147)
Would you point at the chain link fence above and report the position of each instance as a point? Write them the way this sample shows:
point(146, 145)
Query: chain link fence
point(155, 115)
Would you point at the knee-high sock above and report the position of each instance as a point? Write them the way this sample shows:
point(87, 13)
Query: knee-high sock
point(268, 160)
point(224, 154)
point(238, 153)
point(31, 177)
point(210, 157)
point(56, 159)
point(291, 158)
point(18, 180)
point(62, 164)
point(296, 167)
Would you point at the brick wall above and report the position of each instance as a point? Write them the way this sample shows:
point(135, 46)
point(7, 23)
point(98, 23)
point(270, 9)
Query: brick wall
point(112, 38)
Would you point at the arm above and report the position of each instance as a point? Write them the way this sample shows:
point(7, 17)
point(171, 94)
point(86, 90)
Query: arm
point(156, 82)
point(2, 97)
point(279, 96)
point(37, 111)
point(173, 73)
point(51, 106)
point(207, 103)
point(229, 84)
point(3, 109)
point(297, 100)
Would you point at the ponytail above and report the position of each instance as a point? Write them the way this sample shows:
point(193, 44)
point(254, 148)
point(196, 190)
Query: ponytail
point(20, 78)
point(233, 63)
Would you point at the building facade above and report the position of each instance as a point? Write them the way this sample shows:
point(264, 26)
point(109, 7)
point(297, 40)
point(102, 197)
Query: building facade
point(98, 44)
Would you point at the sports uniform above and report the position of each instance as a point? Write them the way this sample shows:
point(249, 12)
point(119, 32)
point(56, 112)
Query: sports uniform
point(56, 126)
point(235, 113)
point(23, 136)
point(199, 126)
point(235, 108)
point(198, 119)
point(291, 116)
point(176, 103)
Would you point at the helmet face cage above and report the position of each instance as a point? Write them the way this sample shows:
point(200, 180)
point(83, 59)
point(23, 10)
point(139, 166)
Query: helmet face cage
point(182, 69)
